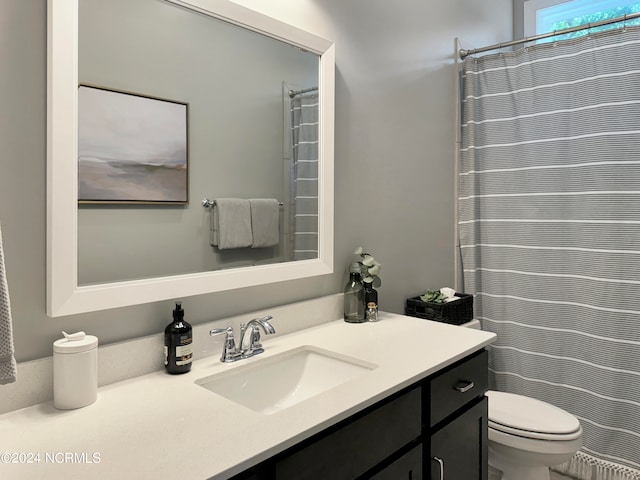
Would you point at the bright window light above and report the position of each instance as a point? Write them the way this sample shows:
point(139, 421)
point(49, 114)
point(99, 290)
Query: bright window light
point(543, 16)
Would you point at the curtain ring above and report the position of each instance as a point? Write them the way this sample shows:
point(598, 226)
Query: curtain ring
point(624, 24)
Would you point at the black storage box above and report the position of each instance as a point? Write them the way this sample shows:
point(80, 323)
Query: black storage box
point(455, 312)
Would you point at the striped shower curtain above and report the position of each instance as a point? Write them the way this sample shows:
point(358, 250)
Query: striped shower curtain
point(549, 230)
point(304, 176)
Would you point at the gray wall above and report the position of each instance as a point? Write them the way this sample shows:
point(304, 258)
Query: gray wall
point(232, 80)
point(394, 157)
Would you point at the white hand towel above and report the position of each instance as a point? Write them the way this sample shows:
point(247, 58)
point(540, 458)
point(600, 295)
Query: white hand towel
point(8, 367)
point(265, 222)
point(232, 223)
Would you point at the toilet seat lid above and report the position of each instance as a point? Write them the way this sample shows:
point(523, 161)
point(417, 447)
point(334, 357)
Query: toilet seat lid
point(529, 417)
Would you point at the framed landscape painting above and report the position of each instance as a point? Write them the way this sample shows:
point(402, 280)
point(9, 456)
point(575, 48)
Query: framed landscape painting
point(131, 148)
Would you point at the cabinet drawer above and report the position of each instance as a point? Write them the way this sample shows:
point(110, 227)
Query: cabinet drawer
point(359, 446)
point(457, 385)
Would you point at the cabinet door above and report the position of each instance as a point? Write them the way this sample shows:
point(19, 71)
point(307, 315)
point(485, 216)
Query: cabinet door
point(459, 448)
point(407, 467)
point(359, 446)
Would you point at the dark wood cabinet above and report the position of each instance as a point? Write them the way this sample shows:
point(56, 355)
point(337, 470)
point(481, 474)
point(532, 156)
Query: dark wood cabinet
point(455, 386)
point(407, 467)
point(359, 446)
point(435, 429)
point(458, 421)
point(459, 448)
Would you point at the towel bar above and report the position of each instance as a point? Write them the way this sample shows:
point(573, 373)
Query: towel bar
point(206, 203)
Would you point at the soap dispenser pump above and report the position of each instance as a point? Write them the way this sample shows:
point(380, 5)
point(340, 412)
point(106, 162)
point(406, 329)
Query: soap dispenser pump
point(178, 339)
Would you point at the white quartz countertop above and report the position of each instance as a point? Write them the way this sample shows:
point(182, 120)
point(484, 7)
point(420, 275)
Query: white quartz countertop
point(165, 426)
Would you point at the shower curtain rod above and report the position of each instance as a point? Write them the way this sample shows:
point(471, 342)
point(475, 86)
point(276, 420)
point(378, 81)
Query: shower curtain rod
point(465, 53)
point(293, 93)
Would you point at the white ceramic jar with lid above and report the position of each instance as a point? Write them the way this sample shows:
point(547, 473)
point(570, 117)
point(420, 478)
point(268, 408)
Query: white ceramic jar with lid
point(75, 371)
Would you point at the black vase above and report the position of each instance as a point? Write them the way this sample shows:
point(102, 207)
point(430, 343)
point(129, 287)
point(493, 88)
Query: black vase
point(370, 302)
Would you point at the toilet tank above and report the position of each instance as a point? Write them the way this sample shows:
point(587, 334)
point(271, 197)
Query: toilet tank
point(475, 324)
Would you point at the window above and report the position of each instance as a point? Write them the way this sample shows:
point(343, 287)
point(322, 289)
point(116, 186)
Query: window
point(542, 16)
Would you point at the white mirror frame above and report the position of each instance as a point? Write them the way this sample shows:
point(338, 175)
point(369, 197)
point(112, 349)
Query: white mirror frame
point(64, 295)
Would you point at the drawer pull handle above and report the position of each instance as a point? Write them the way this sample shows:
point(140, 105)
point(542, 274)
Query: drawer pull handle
point(441, 463)
point(463, 387)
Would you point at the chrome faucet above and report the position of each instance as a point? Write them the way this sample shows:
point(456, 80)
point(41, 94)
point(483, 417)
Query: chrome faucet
point(249, 343)
point(252, 346)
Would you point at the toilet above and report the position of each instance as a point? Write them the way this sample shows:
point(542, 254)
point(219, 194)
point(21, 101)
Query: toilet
point(527, 436)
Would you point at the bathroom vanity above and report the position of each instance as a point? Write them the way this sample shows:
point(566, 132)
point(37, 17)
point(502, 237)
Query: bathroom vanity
point(438, 424)
point(413, 400)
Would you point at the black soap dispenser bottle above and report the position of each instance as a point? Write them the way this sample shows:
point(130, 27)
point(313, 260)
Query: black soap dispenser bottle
point(178, 339)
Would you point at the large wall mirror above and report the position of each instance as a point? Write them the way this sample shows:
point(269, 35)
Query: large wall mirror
point(249, 102)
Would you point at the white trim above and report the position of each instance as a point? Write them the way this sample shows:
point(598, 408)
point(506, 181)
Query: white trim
point(531, 8)
point(64, 295)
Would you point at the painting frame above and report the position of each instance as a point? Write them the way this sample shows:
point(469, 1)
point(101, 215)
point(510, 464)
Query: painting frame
point(132, 148)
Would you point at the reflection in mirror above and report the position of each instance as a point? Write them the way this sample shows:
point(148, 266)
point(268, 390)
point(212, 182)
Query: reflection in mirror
point(247, 138)
point(243, 126)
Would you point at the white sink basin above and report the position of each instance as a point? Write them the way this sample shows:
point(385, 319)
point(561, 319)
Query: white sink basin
point(275, 383)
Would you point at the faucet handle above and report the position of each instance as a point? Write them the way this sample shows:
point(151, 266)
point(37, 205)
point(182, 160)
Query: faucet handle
point(229, 352)
point(216, 331)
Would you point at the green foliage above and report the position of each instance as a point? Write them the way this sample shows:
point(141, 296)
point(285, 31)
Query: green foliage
point(369, 268)
point(433, 296)
point(594, 18)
